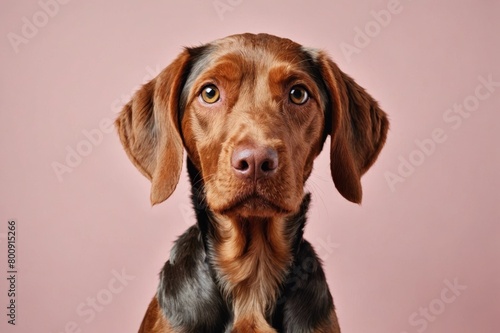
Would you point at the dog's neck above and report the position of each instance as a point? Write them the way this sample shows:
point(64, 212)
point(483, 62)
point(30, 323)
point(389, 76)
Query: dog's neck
point(249, 257)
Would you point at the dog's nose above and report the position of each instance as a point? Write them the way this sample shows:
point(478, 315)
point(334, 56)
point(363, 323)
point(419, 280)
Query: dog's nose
point(254, 162)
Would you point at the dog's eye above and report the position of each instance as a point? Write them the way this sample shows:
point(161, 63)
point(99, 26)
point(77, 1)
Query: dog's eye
point(210, 94)
point(298, 95)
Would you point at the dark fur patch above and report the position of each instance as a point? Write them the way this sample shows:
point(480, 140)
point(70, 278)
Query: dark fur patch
point(187, 293)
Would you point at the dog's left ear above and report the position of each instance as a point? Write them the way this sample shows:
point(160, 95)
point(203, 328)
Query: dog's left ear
point(149, 129)
point(358, 129)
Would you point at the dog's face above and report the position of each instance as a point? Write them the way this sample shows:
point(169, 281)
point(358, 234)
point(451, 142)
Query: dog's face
point(252, 112)
point(253, 122)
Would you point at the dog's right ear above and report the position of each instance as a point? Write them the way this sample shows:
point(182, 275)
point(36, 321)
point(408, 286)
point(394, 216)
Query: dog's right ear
point(148, 127)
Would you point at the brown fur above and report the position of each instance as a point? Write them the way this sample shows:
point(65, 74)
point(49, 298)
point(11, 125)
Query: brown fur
point(252, 256)
point(254, 74)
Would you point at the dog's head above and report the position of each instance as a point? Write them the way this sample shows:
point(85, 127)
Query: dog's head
point(252, 113)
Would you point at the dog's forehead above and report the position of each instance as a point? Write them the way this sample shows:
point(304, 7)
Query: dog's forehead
point(258, 47)
point(252, 54)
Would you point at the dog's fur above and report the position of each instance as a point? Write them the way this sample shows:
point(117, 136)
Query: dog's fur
point(245, 267)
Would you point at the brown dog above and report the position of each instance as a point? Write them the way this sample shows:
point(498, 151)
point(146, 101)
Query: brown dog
point(252, 113)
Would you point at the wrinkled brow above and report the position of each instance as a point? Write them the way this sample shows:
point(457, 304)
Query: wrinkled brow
point(229, 67)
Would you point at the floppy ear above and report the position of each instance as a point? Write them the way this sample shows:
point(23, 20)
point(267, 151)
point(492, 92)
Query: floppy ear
point(358, 129)
point(149, 130)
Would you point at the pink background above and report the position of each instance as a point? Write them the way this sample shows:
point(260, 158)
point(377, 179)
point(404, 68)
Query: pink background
point(386, 260)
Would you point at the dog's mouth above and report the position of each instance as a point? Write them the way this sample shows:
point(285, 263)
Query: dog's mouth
point(254, 205)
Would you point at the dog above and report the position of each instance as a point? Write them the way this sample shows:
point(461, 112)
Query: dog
point(252, 112)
